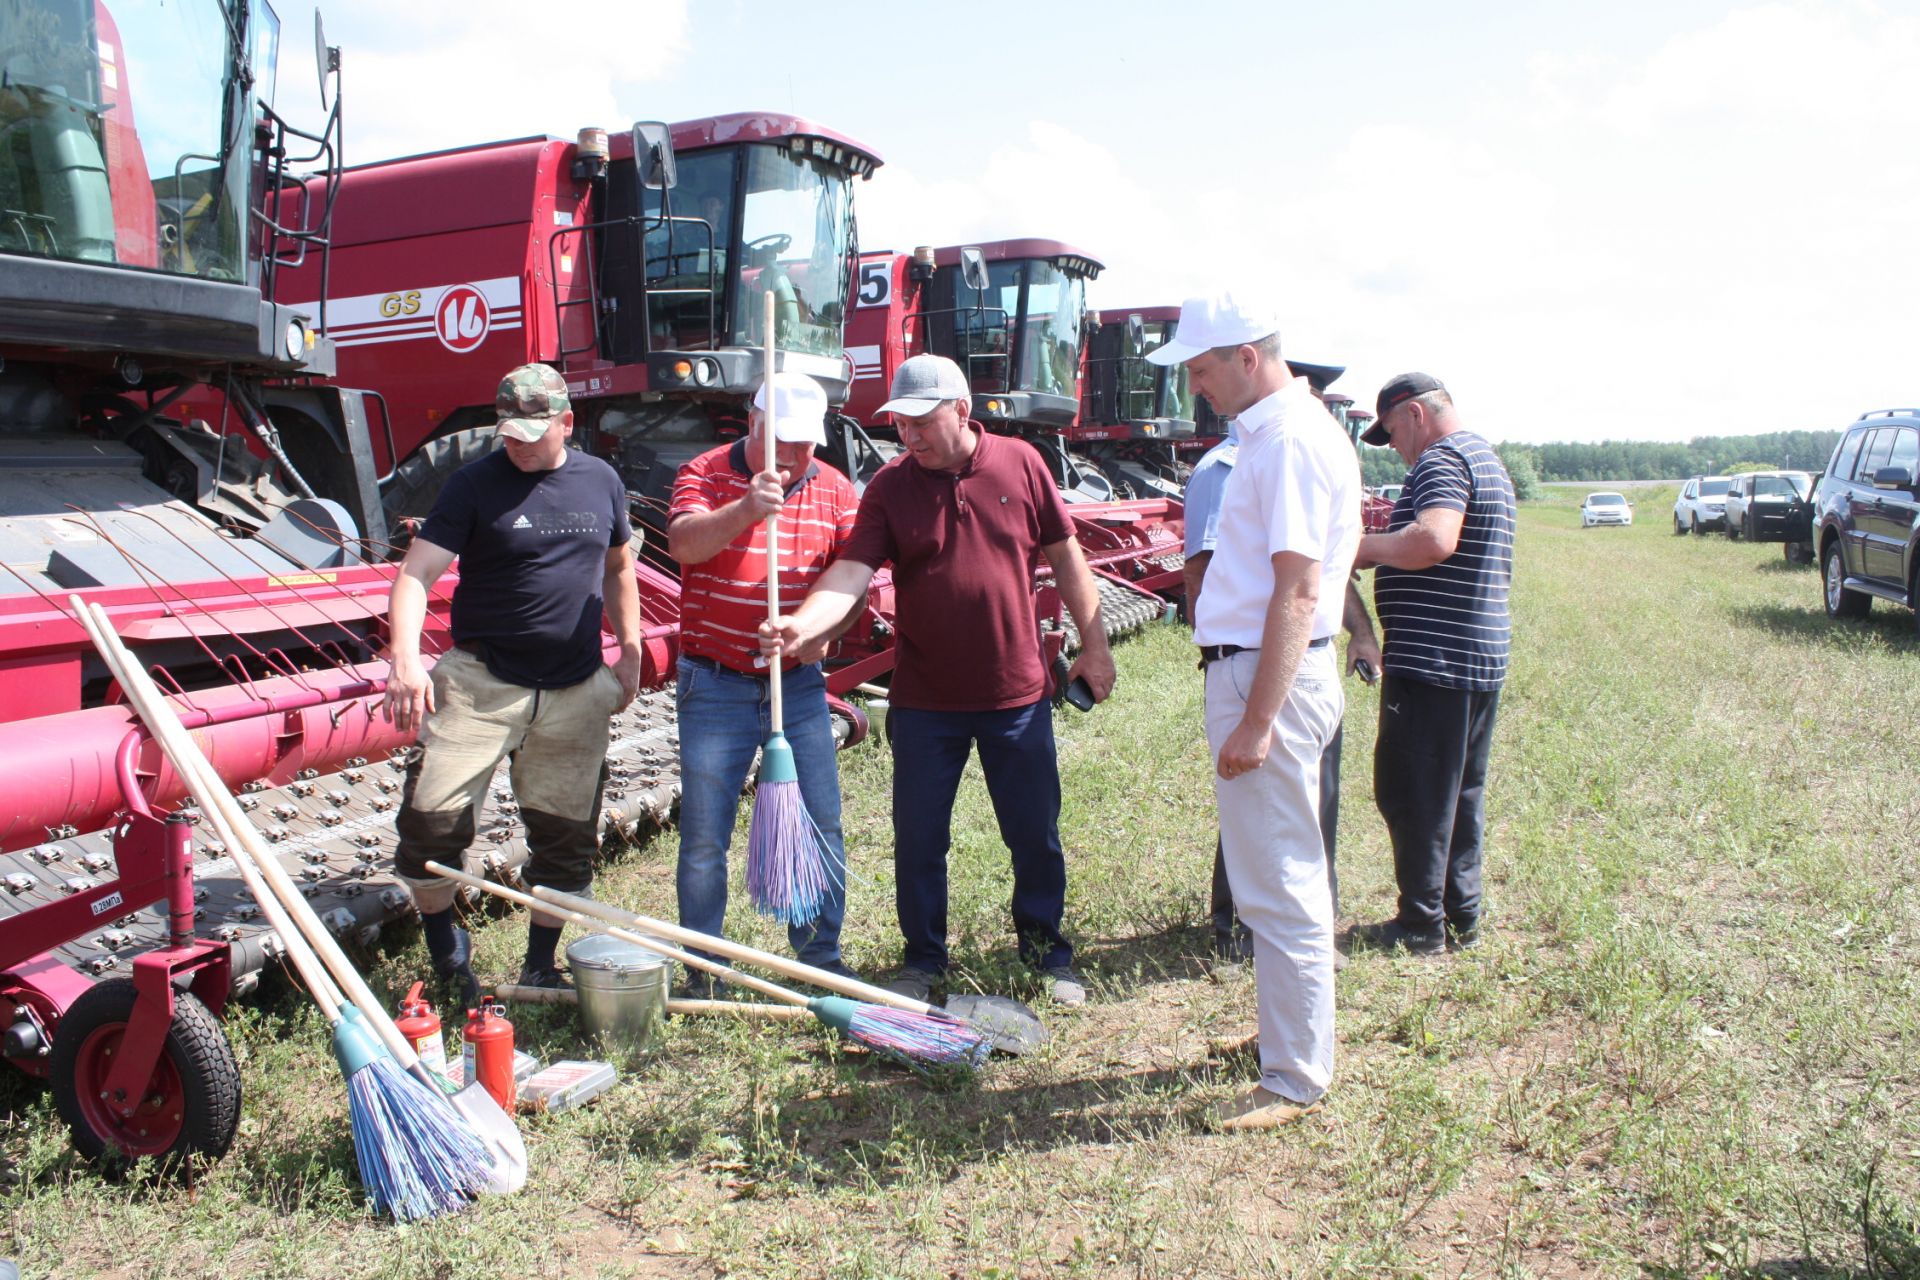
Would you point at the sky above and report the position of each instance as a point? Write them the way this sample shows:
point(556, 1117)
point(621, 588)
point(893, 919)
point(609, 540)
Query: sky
point(1592, 221)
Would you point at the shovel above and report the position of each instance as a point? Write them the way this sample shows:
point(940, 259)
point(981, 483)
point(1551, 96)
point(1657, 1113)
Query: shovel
point(1011, 1027)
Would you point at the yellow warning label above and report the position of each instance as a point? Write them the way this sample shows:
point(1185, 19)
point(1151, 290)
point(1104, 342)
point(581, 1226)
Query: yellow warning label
point(302, 579)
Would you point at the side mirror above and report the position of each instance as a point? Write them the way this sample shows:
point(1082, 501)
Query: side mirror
point(1893, 478)
point(653, 155)
point(1136, 332)
point(973, 268)
point(325, 58)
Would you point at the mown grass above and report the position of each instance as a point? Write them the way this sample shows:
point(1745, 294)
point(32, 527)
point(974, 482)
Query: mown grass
point(1687, 1047)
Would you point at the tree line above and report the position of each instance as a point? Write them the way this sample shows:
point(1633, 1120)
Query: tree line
point(1610, 460)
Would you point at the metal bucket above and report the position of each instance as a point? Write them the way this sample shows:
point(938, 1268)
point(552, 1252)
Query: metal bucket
point(622, 989)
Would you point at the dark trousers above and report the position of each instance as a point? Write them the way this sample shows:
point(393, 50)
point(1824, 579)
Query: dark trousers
point(930, 750)
point(1430, 779)
point(1225, 926)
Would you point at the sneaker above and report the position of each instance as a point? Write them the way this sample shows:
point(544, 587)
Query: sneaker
point(1463, 935)
point(1391, 935)
point(1065, 986)
point(914, 984)
point(1260, 1108)
point(455, 970)
point(546, 977)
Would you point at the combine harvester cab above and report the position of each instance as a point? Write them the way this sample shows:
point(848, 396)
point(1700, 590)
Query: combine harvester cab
point(1013, 315)
point(1134, 415)
point(636, 264)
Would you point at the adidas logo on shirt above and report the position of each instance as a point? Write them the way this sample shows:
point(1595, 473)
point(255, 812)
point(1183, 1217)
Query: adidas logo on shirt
point(523, 523)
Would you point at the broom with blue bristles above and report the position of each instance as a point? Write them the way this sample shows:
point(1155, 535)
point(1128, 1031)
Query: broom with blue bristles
point(418, 1157)
point(790, 866)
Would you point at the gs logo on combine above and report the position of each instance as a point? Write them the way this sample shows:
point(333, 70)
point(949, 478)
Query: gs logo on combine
point(461, 318)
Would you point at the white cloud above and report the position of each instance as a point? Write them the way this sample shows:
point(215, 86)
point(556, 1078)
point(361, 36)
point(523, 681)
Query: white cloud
point(420, 77)
point(1714, 239)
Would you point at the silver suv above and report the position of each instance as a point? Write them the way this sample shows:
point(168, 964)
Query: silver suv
point(1702, 505)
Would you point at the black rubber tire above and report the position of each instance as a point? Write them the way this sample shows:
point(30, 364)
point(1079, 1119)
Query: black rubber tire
point(196, 1052)
point(417, 482)
point(1679, 530)
point(1839, 600)
point(1693, 526)
point(1746, 530)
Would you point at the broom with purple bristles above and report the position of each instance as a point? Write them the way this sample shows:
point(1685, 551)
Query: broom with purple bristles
point(790, 867)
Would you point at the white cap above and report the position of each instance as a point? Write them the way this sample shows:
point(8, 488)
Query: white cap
point(800, 408)
point(1220, 320)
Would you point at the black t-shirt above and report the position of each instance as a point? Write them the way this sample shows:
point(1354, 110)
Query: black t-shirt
point(533, 554)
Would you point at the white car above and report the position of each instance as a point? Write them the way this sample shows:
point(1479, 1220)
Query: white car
point(1702, 504)
point(1391, 492)
point(1605, 508)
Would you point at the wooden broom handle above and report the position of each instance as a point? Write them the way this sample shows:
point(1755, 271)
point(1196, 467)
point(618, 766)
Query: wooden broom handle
point(776, 699)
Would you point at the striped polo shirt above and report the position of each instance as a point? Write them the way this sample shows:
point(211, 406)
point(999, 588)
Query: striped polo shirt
point(1448, 625)
point(723, 600)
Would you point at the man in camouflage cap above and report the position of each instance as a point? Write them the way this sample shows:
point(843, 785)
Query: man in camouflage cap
point(545, 549)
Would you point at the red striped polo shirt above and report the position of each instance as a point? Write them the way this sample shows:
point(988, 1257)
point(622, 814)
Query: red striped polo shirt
point(723, 600)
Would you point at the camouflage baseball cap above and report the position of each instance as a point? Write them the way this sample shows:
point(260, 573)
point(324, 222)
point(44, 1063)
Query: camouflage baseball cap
point(528, 401)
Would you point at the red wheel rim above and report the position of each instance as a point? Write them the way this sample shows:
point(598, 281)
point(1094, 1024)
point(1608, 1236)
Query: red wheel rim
point(155, 1124)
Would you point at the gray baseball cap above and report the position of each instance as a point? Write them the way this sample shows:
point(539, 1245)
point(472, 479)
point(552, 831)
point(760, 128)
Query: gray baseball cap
point(924, 383)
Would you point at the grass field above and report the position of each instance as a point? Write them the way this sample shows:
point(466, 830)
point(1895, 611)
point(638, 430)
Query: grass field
point(1687, 1047)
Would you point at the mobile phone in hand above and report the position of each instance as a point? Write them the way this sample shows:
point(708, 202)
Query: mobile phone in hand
point(1080, 693)
point(1364, 669)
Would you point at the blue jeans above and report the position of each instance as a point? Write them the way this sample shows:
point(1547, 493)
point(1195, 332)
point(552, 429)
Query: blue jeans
point(930, 750)
point(724, 718)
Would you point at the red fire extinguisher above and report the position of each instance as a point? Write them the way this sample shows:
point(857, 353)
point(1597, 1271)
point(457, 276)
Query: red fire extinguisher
point(419, 1026)
point(488, 1056)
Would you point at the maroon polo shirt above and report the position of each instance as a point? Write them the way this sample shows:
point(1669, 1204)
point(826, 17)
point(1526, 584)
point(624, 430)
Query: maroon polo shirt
point(964, 546)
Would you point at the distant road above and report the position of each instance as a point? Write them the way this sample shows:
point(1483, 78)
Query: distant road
point(1611, 484)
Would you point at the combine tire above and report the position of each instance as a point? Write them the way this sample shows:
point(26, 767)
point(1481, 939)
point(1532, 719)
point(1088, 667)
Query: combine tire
point(192, 1103)
point(417, 481)
point(1841, 602)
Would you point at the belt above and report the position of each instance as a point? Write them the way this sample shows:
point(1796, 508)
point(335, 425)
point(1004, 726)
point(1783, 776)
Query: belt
point(709, 664)
point(1215, 652)
point(478, 648)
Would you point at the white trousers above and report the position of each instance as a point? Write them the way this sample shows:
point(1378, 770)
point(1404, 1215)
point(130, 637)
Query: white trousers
point(1277, 865)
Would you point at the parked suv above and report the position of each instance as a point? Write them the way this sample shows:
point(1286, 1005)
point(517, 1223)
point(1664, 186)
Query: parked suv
point(1702, 505)
point(1866, 514)
point(1761, 505)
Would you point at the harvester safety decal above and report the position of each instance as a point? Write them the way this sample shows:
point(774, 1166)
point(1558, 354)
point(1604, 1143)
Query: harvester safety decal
point(459, 316)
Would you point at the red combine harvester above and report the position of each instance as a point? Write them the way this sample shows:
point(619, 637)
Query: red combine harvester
point(144, 229)
point(1012, 314)
point(635, 264)
point(1133, 414)
point(638, 265)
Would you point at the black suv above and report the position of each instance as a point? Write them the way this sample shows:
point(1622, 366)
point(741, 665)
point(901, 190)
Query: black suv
point(1866, 515)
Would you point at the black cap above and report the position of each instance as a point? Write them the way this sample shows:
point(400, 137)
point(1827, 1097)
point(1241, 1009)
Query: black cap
point(1397, 392)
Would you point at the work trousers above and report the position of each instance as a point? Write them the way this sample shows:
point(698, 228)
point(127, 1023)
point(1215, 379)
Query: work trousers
point(1276, 861)
point(1223, 913)
point(1429, 779)
point(725, 717)
point(557, 741)
point(930, 750)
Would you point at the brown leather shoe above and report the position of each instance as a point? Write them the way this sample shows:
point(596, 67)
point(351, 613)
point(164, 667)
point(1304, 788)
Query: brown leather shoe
point(1259, 1108)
